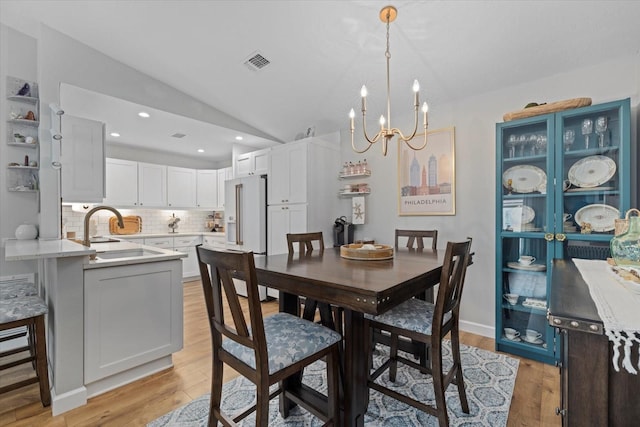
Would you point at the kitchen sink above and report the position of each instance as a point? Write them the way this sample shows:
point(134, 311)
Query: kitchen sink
point(100, 239)
point(128, 253)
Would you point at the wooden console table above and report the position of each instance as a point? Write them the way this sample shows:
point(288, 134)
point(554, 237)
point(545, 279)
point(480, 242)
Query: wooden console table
point(592, 392)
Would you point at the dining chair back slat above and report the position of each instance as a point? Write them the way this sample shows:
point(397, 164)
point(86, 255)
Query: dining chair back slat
point(417, 237)
point(305, 242)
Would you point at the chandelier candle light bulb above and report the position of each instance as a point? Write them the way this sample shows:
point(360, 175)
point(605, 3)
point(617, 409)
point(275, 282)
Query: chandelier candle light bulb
point(387, 15)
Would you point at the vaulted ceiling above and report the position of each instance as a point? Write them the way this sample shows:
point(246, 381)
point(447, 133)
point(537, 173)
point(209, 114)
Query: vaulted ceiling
point(321, 52)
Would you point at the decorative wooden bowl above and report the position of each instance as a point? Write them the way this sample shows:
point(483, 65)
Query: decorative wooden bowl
point(366, 252)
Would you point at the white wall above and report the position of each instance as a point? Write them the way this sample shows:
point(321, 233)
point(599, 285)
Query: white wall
point(18, 58)
point(474, 120)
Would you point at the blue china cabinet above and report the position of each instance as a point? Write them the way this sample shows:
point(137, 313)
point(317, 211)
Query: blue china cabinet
point(562, 179)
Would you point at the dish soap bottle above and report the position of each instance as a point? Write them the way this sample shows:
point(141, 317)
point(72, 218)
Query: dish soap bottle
point(625, 248)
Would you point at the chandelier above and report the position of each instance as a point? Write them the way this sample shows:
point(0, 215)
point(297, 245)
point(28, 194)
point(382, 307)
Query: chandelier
point(388, 14)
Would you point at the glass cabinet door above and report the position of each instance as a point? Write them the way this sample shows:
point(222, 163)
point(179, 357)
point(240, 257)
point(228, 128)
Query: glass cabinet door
point(525, 199)
point(593, 167)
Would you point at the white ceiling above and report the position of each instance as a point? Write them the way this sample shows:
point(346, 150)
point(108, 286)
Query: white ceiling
point(321, 52)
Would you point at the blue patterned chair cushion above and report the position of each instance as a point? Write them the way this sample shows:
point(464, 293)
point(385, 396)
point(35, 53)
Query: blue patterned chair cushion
point(20, 308)
point(289, 340)
point(15, 290)
point(413, 315)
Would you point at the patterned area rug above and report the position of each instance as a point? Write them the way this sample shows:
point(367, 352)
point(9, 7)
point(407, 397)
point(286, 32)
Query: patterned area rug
point(489, 378)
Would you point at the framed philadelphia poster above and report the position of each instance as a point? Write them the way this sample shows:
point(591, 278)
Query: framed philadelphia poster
point(426, 178)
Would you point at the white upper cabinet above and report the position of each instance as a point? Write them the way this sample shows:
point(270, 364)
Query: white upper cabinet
point(288, 174)
point(181, 187)
point(254, 163)
point(285, 219)
point(121, 182)
point(207, 188)
point(82, 158)
point(152, 185)
point(223, 175)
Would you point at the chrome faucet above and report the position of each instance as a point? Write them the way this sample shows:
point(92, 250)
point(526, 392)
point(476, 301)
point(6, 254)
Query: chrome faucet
point(86, 241)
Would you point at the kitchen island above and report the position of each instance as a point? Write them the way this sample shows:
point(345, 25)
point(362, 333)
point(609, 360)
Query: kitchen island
point(111, 320)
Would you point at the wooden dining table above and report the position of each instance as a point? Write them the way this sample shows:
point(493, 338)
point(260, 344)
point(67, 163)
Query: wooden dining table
point(359, 287)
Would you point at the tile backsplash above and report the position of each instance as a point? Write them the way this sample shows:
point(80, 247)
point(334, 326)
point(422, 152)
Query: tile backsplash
point(153, 220)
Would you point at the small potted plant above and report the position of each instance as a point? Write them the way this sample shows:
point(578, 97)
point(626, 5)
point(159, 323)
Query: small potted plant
point(18, 137)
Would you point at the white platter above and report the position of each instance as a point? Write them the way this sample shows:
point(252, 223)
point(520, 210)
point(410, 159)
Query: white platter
point(601, 217)
point(525, 179)
point(592, 171)
point(532, 267)
point(528, 214)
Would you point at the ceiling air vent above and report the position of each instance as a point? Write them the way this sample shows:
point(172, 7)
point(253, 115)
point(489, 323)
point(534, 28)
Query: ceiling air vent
point(256, 62)
point(178, 135)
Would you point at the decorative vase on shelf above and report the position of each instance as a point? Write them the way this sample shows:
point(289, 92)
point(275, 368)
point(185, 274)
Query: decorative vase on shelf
point(26, 232)
point(625, 248)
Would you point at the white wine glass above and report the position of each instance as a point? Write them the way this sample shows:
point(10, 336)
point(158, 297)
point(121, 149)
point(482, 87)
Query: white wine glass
point(587, 129)
point(569, 138)
point(601, 128)
point(511, 144)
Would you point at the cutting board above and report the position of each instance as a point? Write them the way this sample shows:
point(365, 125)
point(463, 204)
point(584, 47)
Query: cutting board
point(132, 225)
point(552, 107)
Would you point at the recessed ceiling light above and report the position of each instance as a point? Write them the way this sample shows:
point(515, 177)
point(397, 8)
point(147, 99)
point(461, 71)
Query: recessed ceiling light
point(200, 150)
point(114, 134)
point(143, 114)
point(238, 138)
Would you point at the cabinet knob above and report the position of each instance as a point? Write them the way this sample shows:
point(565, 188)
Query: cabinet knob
point(561, 412)
point(560, 237)
point(548, 237)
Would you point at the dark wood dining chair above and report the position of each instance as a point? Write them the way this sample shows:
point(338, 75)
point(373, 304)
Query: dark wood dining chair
point(266, 350)
point(306, 244)
point(417, 237)
point(425, 322)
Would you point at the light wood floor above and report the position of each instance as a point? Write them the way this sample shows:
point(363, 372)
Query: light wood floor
point(535, 397)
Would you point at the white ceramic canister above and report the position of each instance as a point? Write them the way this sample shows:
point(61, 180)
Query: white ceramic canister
point(26, 232)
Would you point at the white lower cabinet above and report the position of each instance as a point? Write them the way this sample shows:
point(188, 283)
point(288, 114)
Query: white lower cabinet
point(284, 219)
point(187, 245)
point(133, 315)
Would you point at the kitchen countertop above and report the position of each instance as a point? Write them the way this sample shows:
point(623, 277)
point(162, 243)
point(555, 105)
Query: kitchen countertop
point(180, 233)
point(18, 250)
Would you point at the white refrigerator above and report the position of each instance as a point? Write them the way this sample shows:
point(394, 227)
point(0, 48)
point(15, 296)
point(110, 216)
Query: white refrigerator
point(246, 219)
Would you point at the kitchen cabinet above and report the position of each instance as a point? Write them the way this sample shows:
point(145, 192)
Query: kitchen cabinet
point(152, 185)
point(301, 198)
point(184, 244)
point(562, 180)
point(285, 219)
point(82, 159)
point(187, 245)
point(207, 188)
point(223, 175)
point(181, 187)
point(130, 183)
point(132, 316)
point(121, 182)
point(253, 163)
point(288, 175)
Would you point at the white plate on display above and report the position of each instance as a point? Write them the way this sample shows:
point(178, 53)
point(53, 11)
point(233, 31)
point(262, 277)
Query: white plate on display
point(514, 339)
point(528, 214)
point(601, 217)
point(592, 171)
point(524, 178)
point(531, 267)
